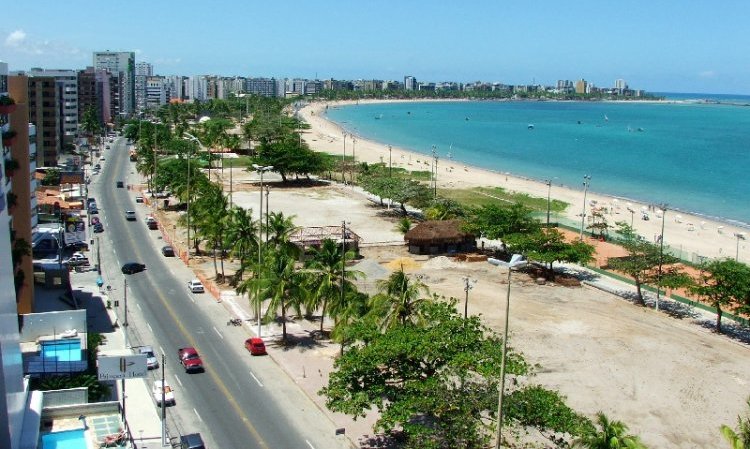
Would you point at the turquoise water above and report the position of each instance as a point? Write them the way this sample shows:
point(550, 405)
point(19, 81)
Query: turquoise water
point(62, 350)
point(694, 157)
point(69, 439)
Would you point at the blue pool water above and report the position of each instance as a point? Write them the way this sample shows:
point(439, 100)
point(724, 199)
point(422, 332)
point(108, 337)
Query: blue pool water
point(69, 439)
point(68, 350)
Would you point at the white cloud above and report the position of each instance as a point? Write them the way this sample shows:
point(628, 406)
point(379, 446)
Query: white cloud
point(707, 74)
point(15, 39)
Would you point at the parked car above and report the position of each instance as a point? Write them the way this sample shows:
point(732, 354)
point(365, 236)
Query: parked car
point(190, 359)
point(97, 227)
point(192, 441)
point(95, 220)
point(90, 200)
point(133, 267)
point(78, 259)
point(120, 184)
point(195, 286)
point(167, 251)
point(151, 361)
point(256, 346)
point(93, 210)
point(168, 393)
point(139, 199)
point(130, 215)
point(151, 223)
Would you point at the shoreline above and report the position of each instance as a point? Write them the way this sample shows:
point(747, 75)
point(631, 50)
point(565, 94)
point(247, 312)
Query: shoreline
point(689, 233)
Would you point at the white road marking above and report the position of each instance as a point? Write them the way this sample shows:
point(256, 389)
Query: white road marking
point(162, 350)
point(217, 331)
point(149, 328)
point(192, 298)
point(139, 307)
point(201, 419)
point(310, 444)
point(178, 380)
point(256, 379)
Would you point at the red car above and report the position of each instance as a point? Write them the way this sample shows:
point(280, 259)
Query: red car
point(255, 345)
point(190, 359)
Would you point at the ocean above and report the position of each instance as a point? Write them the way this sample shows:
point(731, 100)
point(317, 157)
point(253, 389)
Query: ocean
point(694, 156)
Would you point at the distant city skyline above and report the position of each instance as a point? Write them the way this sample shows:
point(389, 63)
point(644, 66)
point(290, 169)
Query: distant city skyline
point(659, 47)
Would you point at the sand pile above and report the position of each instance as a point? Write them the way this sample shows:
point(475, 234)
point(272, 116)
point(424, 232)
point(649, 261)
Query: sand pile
point(403, 263)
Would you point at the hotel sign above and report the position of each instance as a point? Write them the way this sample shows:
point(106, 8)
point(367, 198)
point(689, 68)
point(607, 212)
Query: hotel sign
point(115, 367)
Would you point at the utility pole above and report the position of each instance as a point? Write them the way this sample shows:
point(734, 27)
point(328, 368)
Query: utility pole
point(125, 315)
point(343, 258)
point(98, 258)
point(230, 183)
point(661, 253)
point(163, 405)
point(343, 161)
point(268, 190)
point(586, 182)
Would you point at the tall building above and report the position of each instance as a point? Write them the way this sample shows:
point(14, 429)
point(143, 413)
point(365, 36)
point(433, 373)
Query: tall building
point(621, 86)
point(157, 94)
point(410, 83)
point(122, 65)
point(582, 87)
point(142, 71)
point(176, 88)
point(67, 81)
point(44, 113)
point(265, 87)
point(197, 88)
point(98, 90)
point(13, 386)
point(23, 186)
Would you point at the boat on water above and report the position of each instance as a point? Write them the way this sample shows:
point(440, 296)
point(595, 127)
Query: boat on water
point(606, 119)
point(378, 117)
point(530, 126)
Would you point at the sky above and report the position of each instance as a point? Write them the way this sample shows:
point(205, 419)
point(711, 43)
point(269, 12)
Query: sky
point(658, 46)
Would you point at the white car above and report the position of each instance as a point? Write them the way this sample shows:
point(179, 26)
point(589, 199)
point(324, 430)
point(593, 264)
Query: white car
point(195, 286)
point(130, 215)
point(151, 361)
point(168, 393)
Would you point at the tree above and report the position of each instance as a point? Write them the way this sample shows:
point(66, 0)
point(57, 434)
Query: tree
point(404, 225)
point(739, 439)
point(437, 381)
point(444, 209)
point(548, 246)
point(51, 177)
point(500, 222)
point(242, 234)
point(724, 282)
point(399, 300)
point(327, 268)
point(90, 122)
point(642, 263)
point(610, 435)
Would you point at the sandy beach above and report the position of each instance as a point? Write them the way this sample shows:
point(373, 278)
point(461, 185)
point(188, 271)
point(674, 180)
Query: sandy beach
point(692, 236)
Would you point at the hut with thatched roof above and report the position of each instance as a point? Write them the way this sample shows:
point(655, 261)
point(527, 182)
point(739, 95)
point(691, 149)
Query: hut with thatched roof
point(439, 237)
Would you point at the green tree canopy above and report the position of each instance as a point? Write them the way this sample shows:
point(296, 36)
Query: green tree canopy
point(501, 222)
point(724, 282)
point(548, 246)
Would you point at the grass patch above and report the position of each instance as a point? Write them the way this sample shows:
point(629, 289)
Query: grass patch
point(481, 196)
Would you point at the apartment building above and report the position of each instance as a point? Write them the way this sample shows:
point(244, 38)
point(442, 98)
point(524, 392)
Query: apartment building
point(121, 65)
point(67, 81)
point(98, 90)
point(265, 87)
point(410, 83)
point(44, 113)
point(157, 94)
point(143, 70)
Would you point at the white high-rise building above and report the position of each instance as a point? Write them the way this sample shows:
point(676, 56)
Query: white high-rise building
point(156, 92)
point(175, 86)
point(198, 88)
point(121, 64)
point(410, 83)
point(142, 71)
point(621, 85)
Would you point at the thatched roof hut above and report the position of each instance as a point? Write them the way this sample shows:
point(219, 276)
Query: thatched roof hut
point(438, 237)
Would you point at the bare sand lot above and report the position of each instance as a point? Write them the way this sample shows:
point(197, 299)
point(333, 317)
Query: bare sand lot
point(671, 380)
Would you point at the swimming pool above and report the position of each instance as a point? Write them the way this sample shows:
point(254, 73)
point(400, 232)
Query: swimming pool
point(69, 439)
point(68, 350)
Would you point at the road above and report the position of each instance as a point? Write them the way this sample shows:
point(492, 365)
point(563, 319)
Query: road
point(239, 401)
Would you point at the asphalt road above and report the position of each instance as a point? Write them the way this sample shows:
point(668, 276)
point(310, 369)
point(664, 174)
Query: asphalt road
point(238, 402)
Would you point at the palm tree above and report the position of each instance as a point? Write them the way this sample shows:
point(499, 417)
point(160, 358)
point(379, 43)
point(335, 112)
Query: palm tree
point(398, 300)
point(327, 267)
point(611, 435)
point(242, 233)
point(741, 438)
point(280, 230)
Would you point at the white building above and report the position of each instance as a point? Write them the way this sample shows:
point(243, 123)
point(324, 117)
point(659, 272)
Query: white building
point(175, 86)
point(142, 71)
point(157, 94)
point(410, 83)
point(121, 64)
point(197, 88)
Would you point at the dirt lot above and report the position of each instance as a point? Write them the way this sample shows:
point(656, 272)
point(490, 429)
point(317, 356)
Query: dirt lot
point(673, 381)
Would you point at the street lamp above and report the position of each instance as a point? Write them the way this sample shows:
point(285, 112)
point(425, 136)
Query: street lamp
point(663, 208)
point(260, 169)
point(434, 177)
point(468, 285)
point(516, 261)
point(194, 139)
point(354, 160)
point(390, 162)
point(343, 161)
point(632, 214)
point(586, 182)
point(549, 191)
point(740, 236)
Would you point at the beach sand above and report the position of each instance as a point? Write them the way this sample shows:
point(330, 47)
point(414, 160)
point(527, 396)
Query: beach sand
point(693, 237)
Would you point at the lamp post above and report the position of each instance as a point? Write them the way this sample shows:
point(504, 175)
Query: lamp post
point(663, 208)
point(549, 191)
point(632, 214)
point(390, 162)
point(516, 261)
point(740, 236)
point(343, 161)
point(260, 169)
point(468, 285)
point(354, 160)
point(586, 182)
point(434, 177)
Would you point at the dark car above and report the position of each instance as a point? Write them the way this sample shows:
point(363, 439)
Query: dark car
point(192, 441)
point(120, 184)
point(93, 210)
point(133, 267)
point(255, 345)
point(167, 251)
point(190, 359)
point(98, 227)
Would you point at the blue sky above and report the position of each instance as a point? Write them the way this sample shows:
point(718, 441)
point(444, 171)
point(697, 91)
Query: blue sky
point(667, 45)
